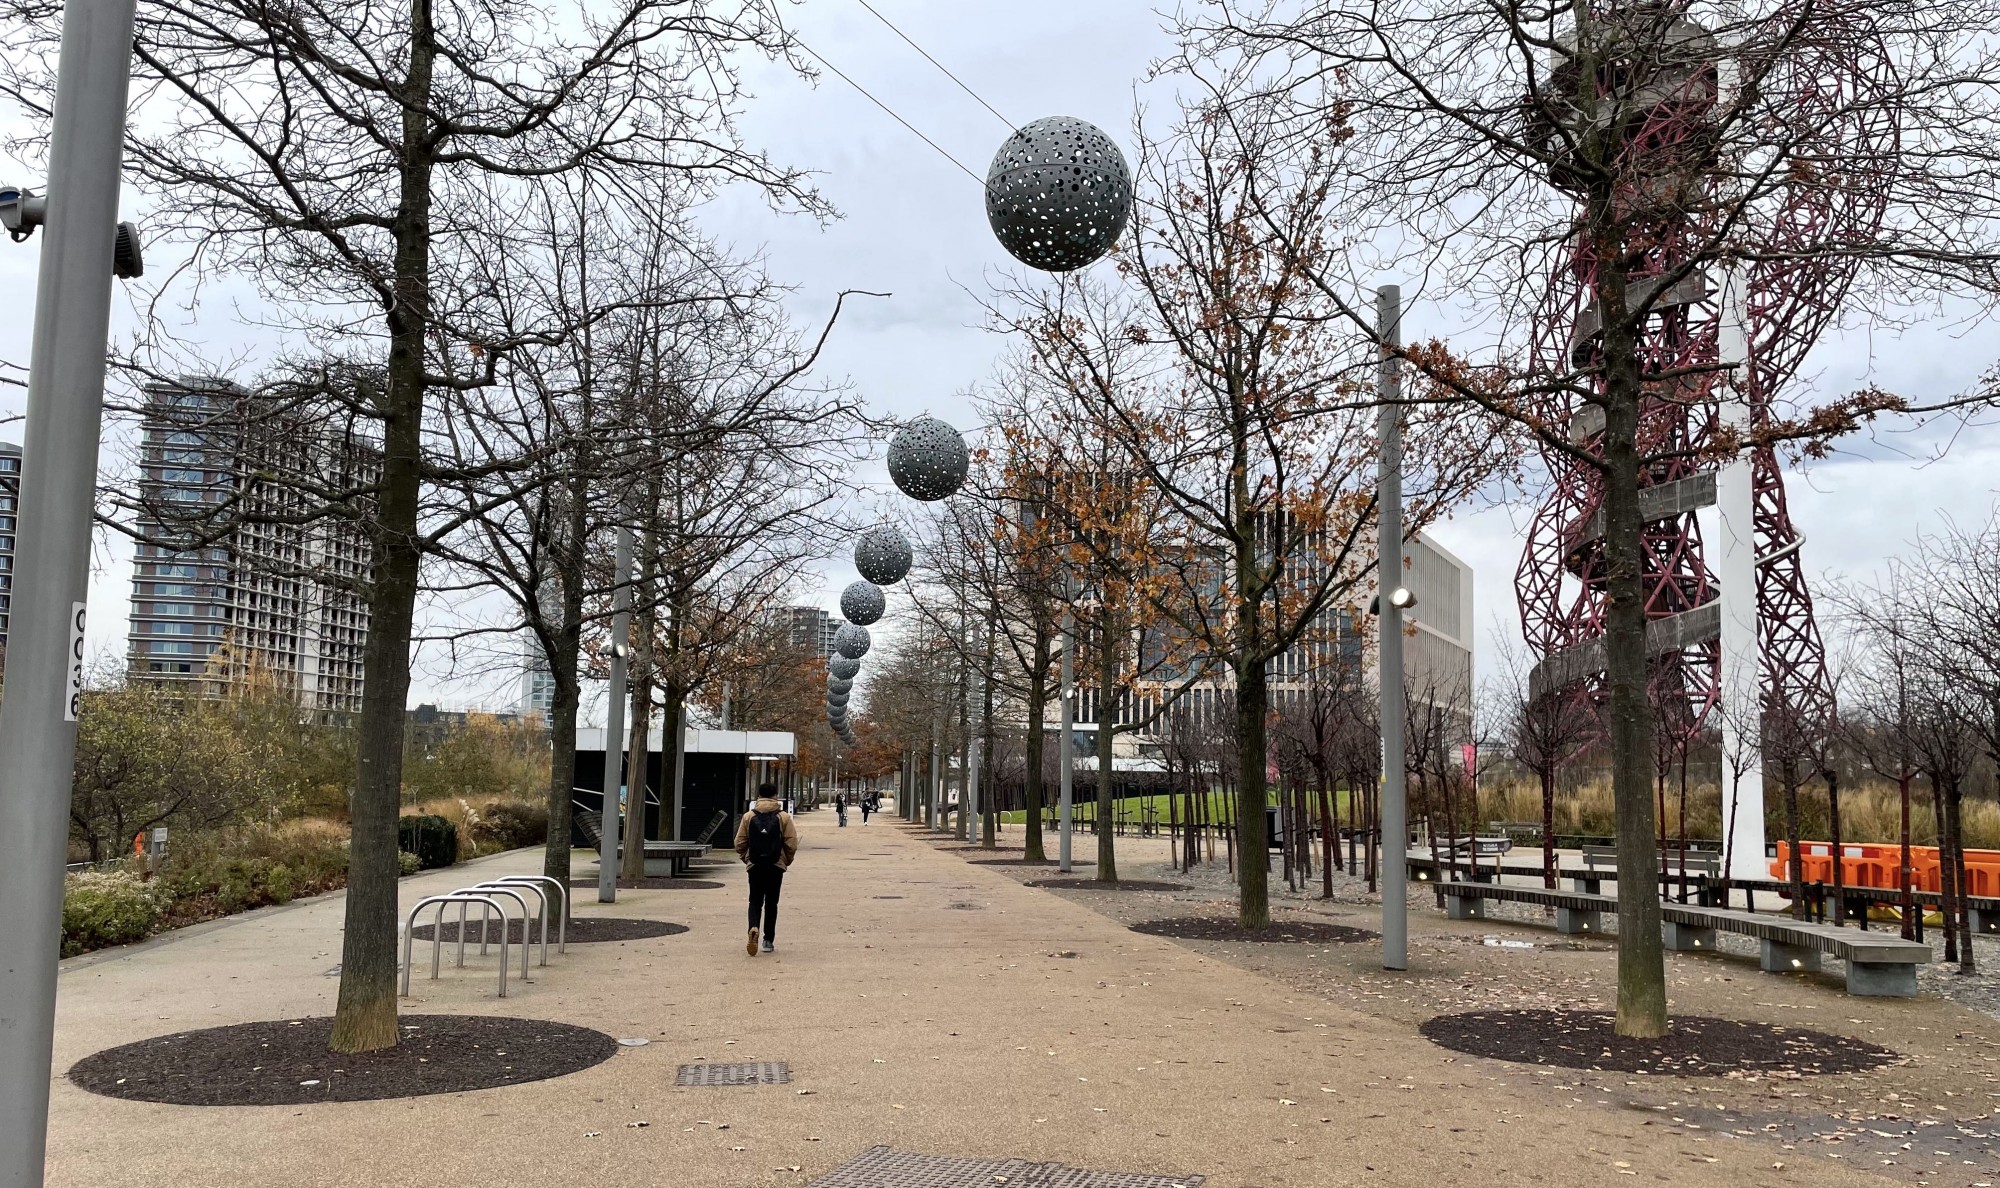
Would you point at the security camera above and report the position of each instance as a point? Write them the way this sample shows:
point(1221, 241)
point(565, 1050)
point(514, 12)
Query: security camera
point(22, 210)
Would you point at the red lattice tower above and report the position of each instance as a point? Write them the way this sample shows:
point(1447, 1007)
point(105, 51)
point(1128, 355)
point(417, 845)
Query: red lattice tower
point(1840, 155)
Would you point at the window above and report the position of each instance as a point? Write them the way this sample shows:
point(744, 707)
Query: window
point(172, 648)
point(171, 628)
point(184, 609)
point(186, 571)
point(186, 439)
point(177, 475)
point(175, 590)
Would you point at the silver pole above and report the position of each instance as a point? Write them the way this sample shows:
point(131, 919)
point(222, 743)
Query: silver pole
point(614, 723)
point(58, 476)
point(1389, 572)
point(1068, 720)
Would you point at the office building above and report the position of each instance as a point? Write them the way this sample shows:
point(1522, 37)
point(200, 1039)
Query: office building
point(241, 576)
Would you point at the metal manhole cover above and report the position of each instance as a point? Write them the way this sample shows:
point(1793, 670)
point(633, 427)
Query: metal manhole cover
point(763, 1073)
point(882, 1167)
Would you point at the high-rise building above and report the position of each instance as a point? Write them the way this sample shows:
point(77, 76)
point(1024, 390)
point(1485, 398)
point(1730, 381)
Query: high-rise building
point(538, 680)
point(243, 574)
point(813, 628)
point(10, 498)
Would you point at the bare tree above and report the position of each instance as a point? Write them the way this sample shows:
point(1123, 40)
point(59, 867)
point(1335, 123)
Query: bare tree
point(1629, 172)
point(1545, 729)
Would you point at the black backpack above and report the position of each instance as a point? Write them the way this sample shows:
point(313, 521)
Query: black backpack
point(767, 838)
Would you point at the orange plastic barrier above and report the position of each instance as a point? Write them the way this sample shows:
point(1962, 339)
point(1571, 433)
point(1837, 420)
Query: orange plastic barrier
point(1871, 864)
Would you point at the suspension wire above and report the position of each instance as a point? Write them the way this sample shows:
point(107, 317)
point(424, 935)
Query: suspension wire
point(940, 65)
point(821, 58)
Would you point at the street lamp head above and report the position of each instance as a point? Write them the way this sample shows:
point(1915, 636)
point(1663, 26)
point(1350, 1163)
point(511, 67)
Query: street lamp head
point(1401, 598)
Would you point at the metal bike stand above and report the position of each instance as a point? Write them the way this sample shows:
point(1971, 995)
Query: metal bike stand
point(513, 893)
point(437, 933)
point(541, 897)
point(561, 913)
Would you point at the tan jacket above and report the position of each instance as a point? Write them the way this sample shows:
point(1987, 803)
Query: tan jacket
point(765, 804)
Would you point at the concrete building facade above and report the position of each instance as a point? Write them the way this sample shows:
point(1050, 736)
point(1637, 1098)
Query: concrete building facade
point(238, 575)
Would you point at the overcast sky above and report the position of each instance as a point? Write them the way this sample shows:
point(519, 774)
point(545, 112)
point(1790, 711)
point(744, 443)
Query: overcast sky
point(913, 225)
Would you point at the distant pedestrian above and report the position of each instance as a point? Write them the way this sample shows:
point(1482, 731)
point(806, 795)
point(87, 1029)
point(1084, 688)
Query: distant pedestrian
point(867, 806)
point(840, 808)
point(766, 841)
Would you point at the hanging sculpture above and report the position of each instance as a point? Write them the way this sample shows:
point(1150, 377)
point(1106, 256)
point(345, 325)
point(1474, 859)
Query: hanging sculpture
point(882, 556)
point(928, 460)
point(1058, 194)
point(863, 603)
point(837, 685)
point(843, 668)
point(851, 641)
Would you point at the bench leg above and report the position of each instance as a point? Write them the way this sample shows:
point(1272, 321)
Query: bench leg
point(1778, 957)
point(1464, 907)
point(1882, 979)
point(1587, 885)
point(1687, 938)
point(1986, 923)
point(1570, 922)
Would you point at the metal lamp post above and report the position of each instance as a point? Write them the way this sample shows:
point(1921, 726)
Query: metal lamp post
point(614, 724)
point(59, 472)
point(1063, 742)
point(1389, 569)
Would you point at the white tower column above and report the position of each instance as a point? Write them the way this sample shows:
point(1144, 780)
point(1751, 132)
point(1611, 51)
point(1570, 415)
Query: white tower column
point(1736, 574)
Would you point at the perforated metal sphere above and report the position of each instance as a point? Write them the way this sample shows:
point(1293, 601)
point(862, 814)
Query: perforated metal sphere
point(927, 459)
point(863, 603)
point(882, 555)
point(851, 641)
point(843, 668)
point(1058, 193)
point(836, 685)
point(837, 700)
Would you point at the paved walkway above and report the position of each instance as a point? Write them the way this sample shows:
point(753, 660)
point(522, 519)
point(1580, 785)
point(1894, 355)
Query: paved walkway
point(922, 1002)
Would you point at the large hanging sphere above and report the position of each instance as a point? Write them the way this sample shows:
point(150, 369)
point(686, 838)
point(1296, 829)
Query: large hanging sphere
point(1058, 193)
point(837, 685)
point(851, 641)
point(863, 603)
point(927, 458)
point(842, 668)
point(882, 555)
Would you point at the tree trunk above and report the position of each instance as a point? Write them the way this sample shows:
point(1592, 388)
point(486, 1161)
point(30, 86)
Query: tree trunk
point(1795, 869)
point(1253, 868)
point(365, 1014)
point(1329, 843)
point(1038, 708)
point(633, 838)
point(1959, 916)
point(1642, 978)
point(1548, 777)
point(1833, 824)
point(1947, 874)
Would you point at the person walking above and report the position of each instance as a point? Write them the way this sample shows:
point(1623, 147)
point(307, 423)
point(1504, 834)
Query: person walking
point(766, 840)
point(867, 806)
point(840, 807)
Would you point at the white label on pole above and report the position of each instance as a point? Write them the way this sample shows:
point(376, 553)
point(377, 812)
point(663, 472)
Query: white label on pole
point(74, 694)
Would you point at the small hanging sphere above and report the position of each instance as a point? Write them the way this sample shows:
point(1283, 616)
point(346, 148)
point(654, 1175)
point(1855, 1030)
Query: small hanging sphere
point(1058, 193)
point(851, 641)
point(836, 701)
point(842, 668)
point(928, 460)
point(837, 685)
point(863, 603)
point(882, 555)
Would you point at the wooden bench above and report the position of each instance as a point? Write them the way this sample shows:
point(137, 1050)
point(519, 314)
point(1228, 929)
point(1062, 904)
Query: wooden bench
point(1577, 912)
point(672, 859)
point(1878, 966)
point(1699, 862)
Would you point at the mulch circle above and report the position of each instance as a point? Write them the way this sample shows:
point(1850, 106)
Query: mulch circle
point(652, 883)
point(1095, 885)
point(583, 930)
point(286, 1062)
point(1281, 932)
point(1697, 1046)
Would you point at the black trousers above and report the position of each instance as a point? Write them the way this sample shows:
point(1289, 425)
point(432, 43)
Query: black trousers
point(765, 884)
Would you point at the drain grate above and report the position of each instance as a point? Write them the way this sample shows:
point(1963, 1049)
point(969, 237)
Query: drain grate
point(882, 1167)
point(964, 907)
point(767, 1072)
